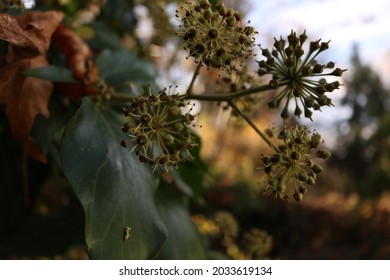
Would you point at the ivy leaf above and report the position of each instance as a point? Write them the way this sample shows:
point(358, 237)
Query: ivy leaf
point(114, 189)
point(184, 241)
point(121, 66)
point(51, 73)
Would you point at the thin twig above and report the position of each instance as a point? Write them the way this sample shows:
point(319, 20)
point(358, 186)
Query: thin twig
point(196, 73)
point(252, 124)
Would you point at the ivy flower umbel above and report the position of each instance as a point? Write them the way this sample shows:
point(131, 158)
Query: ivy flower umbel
point(214, 36)
point(302, 77)
point(292, 162)
point(157, 129)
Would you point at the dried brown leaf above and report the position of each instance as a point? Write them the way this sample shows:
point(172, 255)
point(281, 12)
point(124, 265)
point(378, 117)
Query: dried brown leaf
point(25, 98)
point(77, 53)
point(29, 35)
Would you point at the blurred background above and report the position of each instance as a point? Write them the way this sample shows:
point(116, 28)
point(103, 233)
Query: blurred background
point(346, 216)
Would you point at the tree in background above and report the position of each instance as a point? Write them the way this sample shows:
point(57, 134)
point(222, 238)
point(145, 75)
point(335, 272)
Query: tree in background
point(365, 147)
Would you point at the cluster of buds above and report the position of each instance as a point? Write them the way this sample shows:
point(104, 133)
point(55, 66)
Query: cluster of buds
point(257, 243)
point(158, 131)
point(293, 161)
point(302, 77)
point(215, 35)
point(11, 4)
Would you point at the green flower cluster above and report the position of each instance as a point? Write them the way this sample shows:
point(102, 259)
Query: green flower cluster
point(215, 36)
point(302, 77)
point(257, 243)
point(158, 131)
point(292, 161)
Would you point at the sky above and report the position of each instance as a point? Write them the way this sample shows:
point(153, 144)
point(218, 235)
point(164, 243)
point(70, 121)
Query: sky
point(344, 22)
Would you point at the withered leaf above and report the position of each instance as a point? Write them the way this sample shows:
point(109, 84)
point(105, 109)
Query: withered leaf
point(29, 38)
point(29, 35)
point(25, 98)
point(77, 52)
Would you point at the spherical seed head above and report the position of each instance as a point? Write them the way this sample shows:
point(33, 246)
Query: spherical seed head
point(156, 130)
point(291, 165)
point(205, 30)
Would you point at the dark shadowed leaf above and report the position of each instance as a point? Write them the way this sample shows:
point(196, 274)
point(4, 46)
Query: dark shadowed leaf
point(184, 241)
point(121, 66)
point(114, 189)
point(51, 73)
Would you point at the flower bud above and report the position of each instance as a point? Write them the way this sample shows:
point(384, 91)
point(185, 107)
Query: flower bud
point(266, 53)
point(142, 140)
point(178, 127)
point(174, 110)
point(298, 196)
point(239, 16)
point(273, 84)
point(338, 72)
point(125, 127)
point(145, 119)
point(189, 118)
point(231, 21)
point(168, 139)
point(275, 158)
point(316, 168)
point(302, 38)
point(308, 113)
point(318, 68)
point(324, 46)
point(323, 154)
point(314, 46)
point(302, 176)
point(284, 114)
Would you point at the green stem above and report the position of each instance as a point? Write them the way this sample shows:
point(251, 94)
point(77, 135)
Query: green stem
point(206, 97)
point(196, 73)
point(121, 97)
point(252, 124)
point(230, 96)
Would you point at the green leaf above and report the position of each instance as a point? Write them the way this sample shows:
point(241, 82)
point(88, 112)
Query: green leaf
point(119, 67)
point(114, 189)
point(51, 73)
point(47, 130)
point(184, 241)
point(104, 37)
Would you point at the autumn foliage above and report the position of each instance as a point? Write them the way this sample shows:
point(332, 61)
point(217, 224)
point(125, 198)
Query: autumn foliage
point(30, 36)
